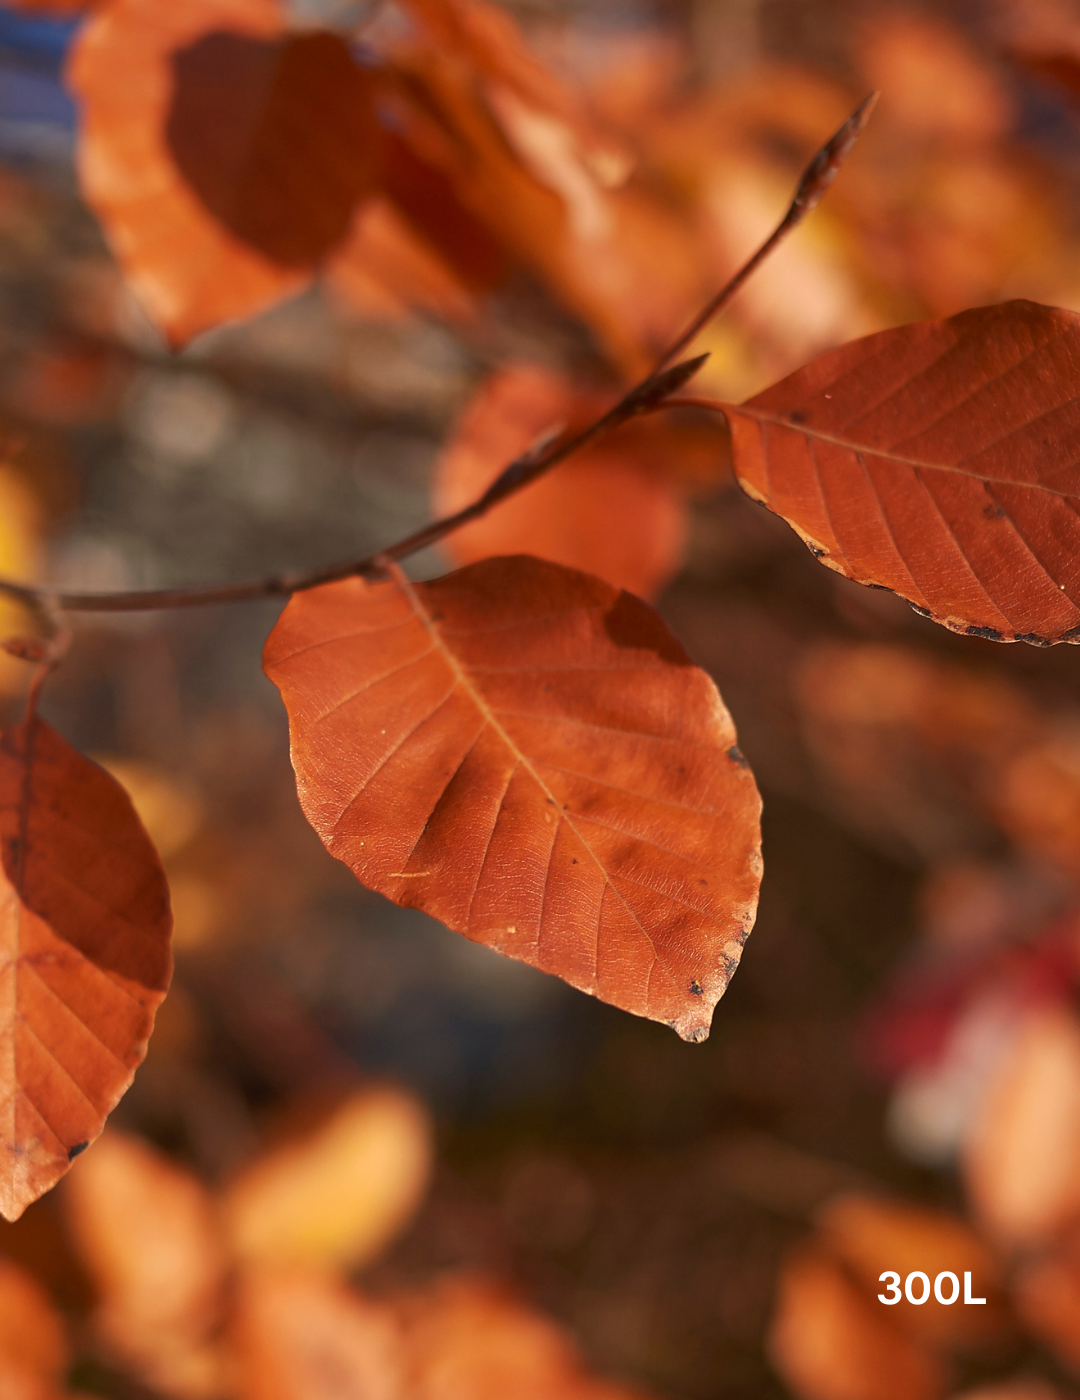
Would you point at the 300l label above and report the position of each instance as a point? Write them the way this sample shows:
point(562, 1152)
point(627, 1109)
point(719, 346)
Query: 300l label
point(917, 1288)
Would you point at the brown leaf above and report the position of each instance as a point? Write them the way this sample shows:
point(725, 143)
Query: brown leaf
point(1022, 1159)
point(277, 138)
point(830, 1342)
point(601, 510)
point(340, 1194)
point(307, 1337)
point(871, 1235)
point(84, 955)
point(937, 460)
point(33, 1342)
point(187, 270)
point(149, 1237)
point(529, 755)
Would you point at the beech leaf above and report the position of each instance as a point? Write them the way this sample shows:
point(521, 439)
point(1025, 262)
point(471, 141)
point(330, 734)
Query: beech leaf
point(529, 755)
point(940, 460)
point(235, 162)
point(604, 510)
point(84, 955)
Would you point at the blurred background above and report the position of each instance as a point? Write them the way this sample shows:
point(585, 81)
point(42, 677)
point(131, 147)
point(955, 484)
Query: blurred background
point(919, 933)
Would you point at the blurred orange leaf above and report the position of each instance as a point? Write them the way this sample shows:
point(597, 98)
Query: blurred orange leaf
point(250, 138)
point(149, 1237)
point(1022, 1159)
point(529, 755)
point(338, 1195)
point(830, 1341)
point(936, 460)
point(872, 1235)
point(85, 961)
point(602, 510)
point(33, 1340)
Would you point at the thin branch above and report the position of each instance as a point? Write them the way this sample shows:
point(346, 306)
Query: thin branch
point(652, 394)
point(816, 179)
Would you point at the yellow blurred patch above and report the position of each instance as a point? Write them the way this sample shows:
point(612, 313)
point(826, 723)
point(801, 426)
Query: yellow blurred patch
point(20, 557)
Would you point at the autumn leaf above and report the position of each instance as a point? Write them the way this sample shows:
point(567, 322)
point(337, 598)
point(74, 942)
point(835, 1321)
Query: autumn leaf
point(147, 1232)
point(232, 166)
point(337, 1196)
point(84, 955)
point(528, 754)
point(830, 1341)
point(602, 510)
point(938, 460)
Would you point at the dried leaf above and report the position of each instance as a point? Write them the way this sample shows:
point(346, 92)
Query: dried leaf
point(936, 460)
point(338, 1196)
point(149, 1237)
point(601, 510)
point(1022, 1159)
point(84, 953)
point(831, 1342)
point(528, 754)
point(307, 1337)
point(871, 1235)
point(188, 269)
point(33, 1341)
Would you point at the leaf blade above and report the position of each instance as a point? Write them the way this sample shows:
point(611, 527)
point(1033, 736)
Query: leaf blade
point(84, 955)
point(558, 814)
point(940, 460)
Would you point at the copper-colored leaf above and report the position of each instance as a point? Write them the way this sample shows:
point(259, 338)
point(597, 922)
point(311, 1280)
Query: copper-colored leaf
point(871, 1235)
point(84, 955)
point(337, 1196)
point(467, 1340)
point(307, 1337)
point(528, 754)
point(190, 270)
point(939, 460)
point(1022, 1160)
point(147, 1232)
point(829, 1341)
point(277, 138)
point(602, 510)
point(33, 1344)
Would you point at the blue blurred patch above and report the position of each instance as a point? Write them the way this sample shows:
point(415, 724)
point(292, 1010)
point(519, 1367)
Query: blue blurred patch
point(37, 115)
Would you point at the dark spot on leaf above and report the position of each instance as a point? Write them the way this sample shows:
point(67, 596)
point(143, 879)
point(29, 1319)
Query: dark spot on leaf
point(703, 881)
point(798, 415)
point(992, 511)
point(923, 612)
point(1034, 640)
point(737, 756)
point(988, 634)
point(574, 861)
point(695, 988)
point(817, 551)
point(73, 1152)
point(631, 623)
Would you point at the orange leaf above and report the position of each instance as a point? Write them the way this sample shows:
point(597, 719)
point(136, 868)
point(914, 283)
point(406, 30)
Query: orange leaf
point(601, 510)
point(224, 160)
point(337, 1196)
point(938, 460)
point(308, 1337)
point(871, 1235)
point(1022, 1160)
point(84, 955)
point(147, 1232)
point(830, 1342)
point(33, 1344)
point(466, 1340)
point(528, 754)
